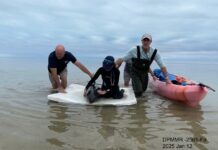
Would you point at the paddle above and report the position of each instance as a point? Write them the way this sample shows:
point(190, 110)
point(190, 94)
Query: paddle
point(194, 83)
point(204, 85)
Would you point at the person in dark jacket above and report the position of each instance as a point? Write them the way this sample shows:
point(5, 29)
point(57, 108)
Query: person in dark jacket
point(110, 81)
point(57, 67)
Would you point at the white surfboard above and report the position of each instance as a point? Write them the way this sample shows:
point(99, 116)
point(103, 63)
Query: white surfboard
point(75, 95)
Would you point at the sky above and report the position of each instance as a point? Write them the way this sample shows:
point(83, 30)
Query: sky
point(106, 26)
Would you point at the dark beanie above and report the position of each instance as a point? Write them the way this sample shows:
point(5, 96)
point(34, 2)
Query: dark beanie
point(108, 63)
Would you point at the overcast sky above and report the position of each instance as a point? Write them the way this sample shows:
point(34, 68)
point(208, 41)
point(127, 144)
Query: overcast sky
point(30, 26)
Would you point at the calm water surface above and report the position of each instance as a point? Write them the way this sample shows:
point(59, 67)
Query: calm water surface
point(28, 121)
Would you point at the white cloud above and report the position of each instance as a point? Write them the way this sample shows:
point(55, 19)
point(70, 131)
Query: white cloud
point(96, 38)
point(101, 24)
point(120, 40)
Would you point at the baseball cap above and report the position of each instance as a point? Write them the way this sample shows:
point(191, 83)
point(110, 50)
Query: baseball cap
point(148, 36)
point(108, 63)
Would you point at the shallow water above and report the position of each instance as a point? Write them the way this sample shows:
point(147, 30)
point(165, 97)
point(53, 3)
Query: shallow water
point(29, 121)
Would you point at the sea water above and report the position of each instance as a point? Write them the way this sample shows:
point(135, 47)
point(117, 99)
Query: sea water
point(29, 121)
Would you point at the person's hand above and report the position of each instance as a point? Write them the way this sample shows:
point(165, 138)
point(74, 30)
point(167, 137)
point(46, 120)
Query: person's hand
point(168, 81)
point(101, 92)
point(61, 90)
point(117, 66)
point(154, 78)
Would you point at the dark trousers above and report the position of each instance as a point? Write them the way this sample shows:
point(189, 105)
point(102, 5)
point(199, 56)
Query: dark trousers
point(114, 92)
point(139, 81)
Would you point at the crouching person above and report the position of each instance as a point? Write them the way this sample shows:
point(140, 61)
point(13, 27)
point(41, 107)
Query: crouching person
point(110, 82)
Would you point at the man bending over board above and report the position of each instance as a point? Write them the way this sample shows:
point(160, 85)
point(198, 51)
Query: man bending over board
point(57, 67)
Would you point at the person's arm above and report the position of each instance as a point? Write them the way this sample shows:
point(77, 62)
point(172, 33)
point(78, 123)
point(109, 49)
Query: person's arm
point(126, 58)
point(94, 78)
point(83, 68)
point(119, 62)
point(152, 74)
point(160, 63)
point(56, 79)
point(165, 73)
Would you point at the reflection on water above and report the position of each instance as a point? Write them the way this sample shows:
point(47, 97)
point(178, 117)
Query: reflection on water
point(57, 121)
point(55, 141)
point(193, 117)
point(108, 123)
point(141, 126)
point(138, 129)
point(127, 127)
point(123, 127)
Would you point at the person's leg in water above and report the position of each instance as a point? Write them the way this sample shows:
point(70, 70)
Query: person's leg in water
point(144, 79)
point(126, 75)
point(136, 84)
